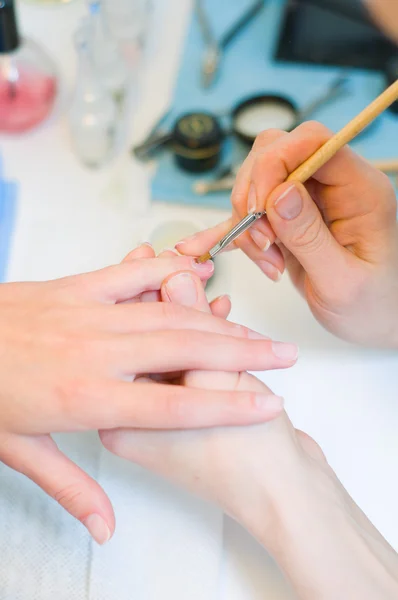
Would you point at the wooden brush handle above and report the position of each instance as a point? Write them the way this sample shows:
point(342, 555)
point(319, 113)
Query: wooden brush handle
point(389, 165)
point(345, 135)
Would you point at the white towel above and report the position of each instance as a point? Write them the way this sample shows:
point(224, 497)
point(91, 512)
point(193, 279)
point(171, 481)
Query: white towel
point(167, 544)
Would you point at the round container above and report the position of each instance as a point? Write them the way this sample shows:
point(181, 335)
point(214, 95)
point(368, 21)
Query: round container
point(166, 234)
point(197, 140)
point(258, 113)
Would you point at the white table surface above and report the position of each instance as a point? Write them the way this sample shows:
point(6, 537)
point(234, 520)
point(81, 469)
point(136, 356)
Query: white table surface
point(72, 220)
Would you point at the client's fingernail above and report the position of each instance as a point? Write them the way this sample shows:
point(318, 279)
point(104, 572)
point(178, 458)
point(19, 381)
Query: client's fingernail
point(181, 289)
point(260, 239)
point(269, 270)
point(252, 199)
point(285, 351)
point(289, 205)
point(98, 529)
point(269, 403)
point(206, 267)
point(223, 297)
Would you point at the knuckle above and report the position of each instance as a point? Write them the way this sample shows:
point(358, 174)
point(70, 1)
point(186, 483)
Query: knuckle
point(176, 408)
point(248, 400)
point(314, 128)
point(270, 165)
point(73, 396)
point(266, 137)
point(171, 313)
point(309, 235)
point(240, 331)
point(68, 496)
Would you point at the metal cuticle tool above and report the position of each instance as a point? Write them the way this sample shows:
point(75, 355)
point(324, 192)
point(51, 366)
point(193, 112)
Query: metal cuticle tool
point(231, 236)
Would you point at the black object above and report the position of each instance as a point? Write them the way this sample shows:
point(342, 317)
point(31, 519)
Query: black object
point(259, 103)
point(391, 71)
point(352, 9)
point(332, 32)
point(195, 140)
point(9, 37)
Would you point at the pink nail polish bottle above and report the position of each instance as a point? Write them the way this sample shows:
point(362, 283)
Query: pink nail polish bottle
point(28, 83)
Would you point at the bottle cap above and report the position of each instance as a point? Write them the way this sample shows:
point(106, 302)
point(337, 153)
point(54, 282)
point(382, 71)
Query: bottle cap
point(9, 36)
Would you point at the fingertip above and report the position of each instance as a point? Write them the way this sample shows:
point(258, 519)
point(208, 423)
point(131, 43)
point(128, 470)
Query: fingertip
point(221, 306)
point(98, 528)
point(269, 270)
point(271, 405)
point(145, 250)
point(285, 352)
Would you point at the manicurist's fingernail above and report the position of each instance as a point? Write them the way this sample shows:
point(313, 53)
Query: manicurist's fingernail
point(260, 239)
point(98, 529)
point(181, 289)
point(269, 270)
point(290, 204)
point(285, 351)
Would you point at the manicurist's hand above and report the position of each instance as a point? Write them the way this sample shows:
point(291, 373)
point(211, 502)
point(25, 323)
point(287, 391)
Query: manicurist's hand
point(274, 480)
point(71, 354)
point(337, 234)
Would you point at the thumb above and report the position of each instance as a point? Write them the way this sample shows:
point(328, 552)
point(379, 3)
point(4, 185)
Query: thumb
point(185, 289)
point(298, 223)
point(40, 459)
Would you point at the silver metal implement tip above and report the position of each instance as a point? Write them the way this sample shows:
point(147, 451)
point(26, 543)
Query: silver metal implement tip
point(235, 232)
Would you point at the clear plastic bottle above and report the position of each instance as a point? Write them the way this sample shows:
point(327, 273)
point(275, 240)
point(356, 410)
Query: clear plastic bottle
point(28, 81)
point(107, 58)
point(93, 114)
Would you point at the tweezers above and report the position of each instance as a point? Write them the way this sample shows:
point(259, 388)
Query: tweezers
point(231, 236)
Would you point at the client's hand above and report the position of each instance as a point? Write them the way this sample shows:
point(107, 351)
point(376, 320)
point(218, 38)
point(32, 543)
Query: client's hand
point(214, 463)
point(275, 481)
point(71, 349)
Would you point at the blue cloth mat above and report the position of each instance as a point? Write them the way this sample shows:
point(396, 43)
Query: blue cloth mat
point(8, 202)
point(248, 68)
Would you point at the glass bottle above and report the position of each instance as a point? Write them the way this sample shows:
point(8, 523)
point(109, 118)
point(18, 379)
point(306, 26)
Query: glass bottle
point(93, 112)
point(129, 23)
point(107, 58)
point(28, 82)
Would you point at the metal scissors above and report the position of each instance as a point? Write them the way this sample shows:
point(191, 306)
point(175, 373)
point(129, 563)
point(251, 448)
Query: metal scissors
point(231, 236)
point(214, 49)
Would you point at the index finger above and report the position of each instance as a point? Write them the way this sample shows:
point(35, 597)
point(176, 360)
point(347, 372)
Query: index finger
point(276, 161)
point(128, 279)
